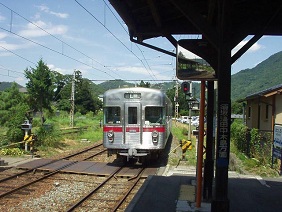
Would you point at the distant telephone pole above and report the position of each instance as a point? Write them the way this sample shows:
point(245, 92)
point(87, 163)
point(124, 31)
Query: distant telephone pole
point(72, 99)
point(176, 100)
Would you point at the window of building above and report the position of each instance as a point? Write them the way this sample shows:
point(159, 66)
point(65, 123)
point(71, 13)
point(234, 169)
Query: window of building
point(249, 112)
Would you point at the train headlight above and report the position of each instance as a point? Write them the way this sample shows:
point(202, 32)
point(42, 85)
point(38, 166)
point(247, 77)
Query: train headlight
point(110, 135)
point(155, 136)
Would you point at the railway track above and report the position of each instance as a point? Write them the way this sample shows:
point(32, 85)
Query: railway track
point(26, 178)
point(109, 195)
point(87, 152)
point(72, 190)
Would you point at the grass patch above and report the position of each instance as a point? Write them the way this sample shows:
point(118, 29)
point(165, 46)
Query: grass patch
point(180, 131)
point(251, 165)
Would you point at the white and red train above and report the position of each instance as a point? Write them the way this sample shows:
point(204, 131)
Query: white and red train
point(137, 122)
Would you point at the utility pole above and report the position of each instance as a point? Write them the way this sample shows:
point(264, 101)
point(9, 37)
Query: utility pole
point(72, 99)
point(176, 100)
point(190, 105)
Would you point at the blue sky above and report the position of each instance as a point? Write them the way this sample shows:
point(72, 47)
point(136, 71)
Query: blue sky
point(69, 38)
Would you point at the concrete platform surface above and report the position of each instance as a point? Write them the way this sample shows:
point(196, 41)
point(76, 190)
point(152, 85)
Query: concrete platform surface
point(15, 161)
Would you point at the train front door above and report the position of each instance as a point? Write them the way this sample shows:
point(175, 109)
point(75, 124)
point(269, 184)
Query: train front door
point(132, 123)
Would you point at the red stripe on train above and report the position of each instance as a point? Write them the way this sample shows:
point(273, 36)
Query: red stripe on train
point(133, 129)
point(112, 128)
point(151, 129)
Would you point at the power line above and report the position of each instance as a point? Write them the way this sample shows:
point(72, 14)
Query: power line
point(16, 53)
point(113, 35)
point(9, 70)
point(128, 35)
point(63, 43)
point(39, 44)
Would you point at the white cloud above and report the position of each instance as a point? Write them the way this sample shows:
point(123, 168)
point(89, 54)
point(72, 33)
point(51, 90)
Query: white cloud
point(60, 70)
point(255, 47)
point(2, 18)
point(33, 31)
point(9, 46)
point(7, 49)
point(46, 9)
point(3, 35)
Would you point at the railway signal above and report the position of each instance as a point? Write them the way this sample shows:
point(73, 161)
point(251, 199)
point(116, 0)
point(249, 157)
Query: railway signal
point(185, 87)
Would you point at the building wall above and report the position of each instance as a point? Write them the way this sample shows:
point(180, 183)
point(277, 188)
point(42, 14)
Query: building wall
point(259, 114)
point(251, 113)
point(278, 114)
point(265, 113)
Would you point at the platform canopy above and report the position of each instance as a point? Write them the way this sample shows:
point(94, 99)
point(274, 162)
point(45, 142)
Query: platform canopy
point(166, 18)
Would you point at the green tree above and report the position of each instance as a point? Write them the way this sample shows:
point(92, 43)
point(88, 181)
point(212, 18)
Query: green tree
point(183, 105)
point(144, 85)
point(85, 99)
point(237, 107)
point(13, 107)
point(39, 87)
point(59, 82)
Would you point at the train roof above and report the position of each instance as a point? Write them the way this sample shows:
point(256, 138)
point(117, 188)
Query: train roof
point(154, 96)
point(134, 89)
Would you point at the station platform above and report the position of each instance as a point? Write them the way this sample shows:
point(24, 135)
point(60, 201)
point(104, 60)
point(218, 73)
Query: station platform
point(174, 190)
point(9, 162)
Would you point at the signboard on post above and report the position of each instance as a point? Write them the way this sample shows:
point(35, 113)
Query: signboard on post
point(277, 141)
point(223, 135)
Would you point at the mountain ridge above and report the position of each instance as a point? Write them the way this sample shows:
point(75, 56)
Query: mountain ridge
point(245, 82)
point(266, 74)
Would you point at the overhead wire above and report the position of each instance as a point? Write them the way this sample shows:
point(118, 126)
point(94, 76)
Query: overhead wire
point(113, 35)
point(128, 35)
point(9, 70)
point(16, 53)
point(63, 43)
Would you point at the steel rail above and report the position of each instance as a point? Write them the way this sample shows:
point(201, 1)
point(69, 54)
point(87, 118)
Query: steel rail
point(138, 177)
point(80, 201)
point(48, 175)
point(48, 163)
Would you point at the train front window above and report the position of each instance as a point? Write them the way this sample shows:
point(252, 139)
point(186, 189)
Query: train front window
point(132, 115)
point(154, 115)
point(112, 115)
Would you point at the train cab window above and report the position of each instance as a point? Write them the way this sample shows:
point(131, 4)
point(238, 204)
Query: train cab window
point(132, 115)
point(112, 115)
point(154, 115)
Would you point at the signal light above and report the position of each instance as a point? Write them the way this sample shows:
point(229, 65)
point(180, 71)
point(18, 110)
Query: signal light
point(186, 87)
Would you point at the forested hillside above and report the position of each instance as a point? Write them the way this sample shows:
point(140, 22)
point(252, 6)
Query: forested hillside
point(266, 74)
point(5, 85)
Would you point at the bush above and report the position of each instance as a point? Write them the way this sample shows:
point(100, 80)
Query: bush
point(48, 136)
point(11, 151)
point(253, 143)
point(238, 136)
